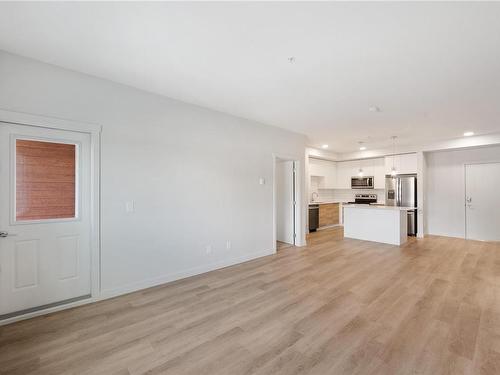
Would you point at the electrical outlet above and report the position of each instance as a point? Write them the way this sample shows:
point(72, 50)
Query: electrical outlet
point(209, 249)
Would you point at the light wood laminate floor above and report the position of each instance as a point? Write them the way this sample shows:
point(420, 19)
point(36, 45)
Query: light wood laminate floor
point(282, 245)
point(338, 306)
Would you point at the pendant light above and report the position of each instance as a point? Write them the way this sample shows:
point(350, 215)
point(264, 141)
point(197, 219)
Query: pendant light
point(394, 172)
point(360, 171)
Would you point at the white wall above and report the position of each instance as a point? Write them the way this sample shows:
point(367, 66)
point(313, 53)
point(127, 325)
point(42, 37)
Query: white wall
point(192, 172)
point(445, 182)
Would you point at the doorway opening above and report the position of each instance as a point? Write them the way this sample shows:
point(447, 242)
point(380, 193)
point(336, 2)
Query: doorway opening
point(285, 203)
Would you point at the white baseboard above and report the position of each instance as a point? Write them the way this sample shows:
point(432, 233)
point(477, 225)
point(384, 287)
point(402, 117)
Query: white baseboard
point(148, 283)
point(144, 284)
point(445, 234)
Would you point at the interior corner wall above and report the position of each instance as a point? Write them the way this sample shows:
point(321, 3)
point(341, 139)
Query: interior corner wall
point(193, 174)
point(445, 188)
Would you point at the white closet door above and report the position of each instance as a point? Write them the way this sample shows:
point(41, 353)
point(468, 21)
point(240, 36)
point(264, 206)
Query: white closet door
point(284, 201)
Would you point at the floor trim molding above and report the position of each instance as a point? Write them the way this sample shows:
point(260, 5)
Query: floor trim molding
point(149, 283)
point(133, 287)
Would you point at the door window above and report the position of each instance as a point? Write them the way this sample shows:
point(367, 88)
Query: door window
point(45, 180)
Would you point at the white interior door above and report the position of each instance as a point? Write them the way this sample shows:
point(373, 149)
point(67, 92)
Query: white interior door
point(482, 203)
point(285, 191)
point(44, 217)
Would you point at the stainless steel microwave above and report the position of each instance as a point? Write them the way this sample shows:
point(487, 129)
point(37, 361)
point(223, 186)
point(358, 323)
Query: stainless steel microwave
point(362, 182)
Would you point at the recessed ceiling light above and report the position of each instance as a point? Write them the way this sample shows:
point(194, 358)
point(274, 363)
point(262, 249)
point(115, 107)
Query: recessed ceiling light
point(468, 134)
point(374, 109)
point(362, 148)
point(324, 146)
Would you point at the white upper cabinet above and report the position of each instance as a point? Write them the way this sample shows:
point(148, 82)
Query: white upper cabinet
point(370, 167)
point(345, 170)
point(337, 175)
point(404, 164)
point(315, 167)
point(378, 172)
point(326, 169)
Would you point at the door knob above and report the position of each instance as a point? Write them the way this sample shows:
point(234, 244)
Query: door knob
point(3, 234)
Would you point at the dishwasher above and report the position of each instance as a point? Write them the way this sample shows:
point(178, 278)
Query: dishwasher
point(313, 217)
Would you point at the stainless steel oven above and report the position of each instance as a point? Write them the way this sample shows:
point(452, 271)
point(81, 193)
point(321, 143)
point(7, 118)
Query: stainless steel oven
point(362, 182)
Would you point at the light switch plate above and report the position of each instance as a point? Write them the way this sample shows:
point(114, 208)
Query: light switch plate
point(129, 206)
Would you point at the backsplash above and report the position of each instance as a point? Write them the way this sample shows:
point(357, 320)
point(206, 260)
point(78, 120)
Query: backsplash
point(345, 195)
point(315, 181)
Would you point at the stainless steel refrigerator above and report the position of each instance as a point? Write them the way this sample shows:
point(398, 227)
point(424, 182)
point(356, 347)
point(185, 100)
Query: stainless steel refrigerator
point(401, 191)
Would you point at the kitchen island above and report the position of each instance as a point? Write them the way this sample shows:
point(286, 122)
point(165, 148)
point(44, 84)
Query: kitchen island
point(385, 224)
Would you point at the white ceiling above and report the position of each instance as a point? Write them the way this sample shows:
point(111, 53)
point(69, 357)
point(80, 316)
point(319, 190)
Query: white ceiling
point(432, 68)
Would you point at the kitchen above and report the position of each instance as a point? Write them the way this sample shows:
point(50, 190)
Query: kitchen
point(373, 199)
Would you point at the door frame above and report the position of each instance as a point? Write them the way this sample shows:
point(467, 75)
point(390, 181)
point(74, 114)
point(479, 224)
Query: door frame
point(465, 190)
point(94, 131)
point(299, 229)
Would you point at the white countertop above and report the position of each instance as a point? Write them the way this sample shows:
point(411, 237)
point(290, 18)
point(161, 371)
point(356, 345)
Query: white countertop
point(328, 202)
point(379, 207)
point(344, 202)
